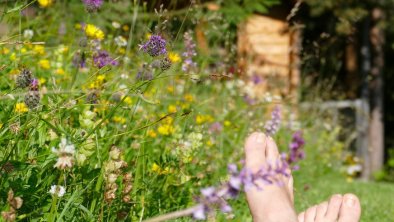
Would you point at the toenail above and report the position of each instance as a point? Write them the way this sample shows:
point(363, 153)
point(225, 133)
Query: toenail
point(337, 196)
point(350, 202)
point(259, 138)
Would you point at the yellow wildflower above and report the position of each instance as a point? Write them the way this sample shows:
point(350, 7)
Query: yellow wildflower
point(44, 63)
point(128, 100)
point(125, 28)
point(119, 119)
point(209, 143)
point(39, 49)
point(42, 80)
point(122, 51)
point(21, 108)
point(174, 57)
point(5, 51)
point(94, 32)
point(148, 35)
point(185, 106)
point(171, 109)
point(189, 97)
point(23, 50)
point(227, 123)
point(45, 3)
point(155, 168)
point(152, 133)
point(199, 119)
point(170, 89)
point(14, 72)
point(165, 129)
point(60, 71)
point(78, 26)
point(13, 56)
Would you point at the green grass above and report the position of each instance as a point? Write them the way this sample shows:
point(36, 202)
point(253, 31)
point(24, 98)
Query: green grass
point(376, 198)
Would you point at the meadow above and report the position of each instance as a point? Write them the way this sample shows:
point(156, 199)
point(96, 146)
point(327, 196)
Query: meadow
point(105, 117)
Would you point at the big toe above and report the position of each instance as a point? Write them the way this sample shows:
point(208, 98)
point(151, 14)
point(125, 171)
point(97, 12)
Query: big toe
point(350, 209)
point(255, 151)
point(272, 151)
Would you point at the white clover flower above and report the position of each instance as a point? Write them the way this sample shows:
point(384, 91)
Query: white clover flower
point(115, 24)
point(120, 41)
point(65, 155)
point(28, 33)
point(58, 191)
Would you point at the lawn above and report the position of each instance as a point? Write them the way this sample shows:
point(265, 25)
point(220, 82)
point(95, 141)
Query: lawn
point(105, 118)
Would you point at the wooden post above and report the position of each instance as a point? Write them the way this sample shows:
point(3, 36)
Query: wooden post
point(376, 130)
point(363, 121)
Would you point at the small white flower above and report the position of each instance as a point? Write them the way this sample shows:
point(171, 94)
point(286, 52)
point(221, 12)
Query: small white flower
point(65, 154)
point(58, 191)
point(28, 33)
point(115, 24)
point(120, 41)
point(353, 169)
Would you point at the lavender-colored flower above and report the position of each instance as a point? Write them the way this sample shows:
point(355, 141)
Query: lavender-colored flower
point(188, 63)
point(272, 125)
point(93, 5)
point(296, 152)
point(102, 58)
point(256, 79)
point(155, 46)
point(216, 127)
point(243, 180)
point(249, 100)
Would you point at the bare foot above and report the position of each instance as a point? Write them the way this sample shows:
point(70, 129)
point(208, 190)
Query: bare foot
point(339, 208)
point(274, 203)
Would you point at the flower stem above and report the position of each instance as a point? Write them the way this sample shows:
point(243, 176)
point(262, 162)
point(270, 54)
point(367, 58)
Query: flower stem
point(173, 215)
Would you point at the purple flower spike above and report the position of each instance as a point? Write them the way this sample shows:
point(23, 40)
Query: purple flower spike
point(93, 5)
point(216, 128)
point(102, 59)
point(155, 46)
point(296, 151)
point(272, 125)
point(188, 63)
point(199, 212)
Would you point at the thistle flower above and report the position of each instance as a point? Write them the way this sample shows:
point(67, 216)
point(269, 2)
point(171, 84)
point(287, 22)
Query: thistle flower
point(102, 58)
point(272, 125)
point(65, 154)
point(165, 64)
point(155, 46)
point(32, 98)
point(188, 63)
point(24, 78)
point(57, 190)
point(93, 5)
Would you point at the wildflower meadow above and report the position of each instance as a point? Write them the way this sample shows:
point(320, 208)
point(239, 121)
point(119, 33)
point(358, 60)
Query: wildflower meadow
point(130, 111)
